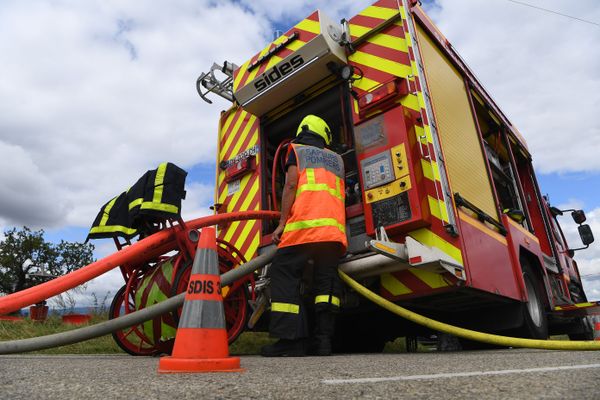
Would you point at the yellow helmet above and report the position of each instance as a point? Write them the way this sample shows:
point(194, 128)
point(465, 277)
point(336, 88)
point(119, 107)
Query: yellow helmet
point(313, 124)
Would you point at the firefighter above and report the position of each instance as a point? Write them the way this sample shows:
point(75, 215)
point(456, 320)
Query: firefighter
point(312, 226)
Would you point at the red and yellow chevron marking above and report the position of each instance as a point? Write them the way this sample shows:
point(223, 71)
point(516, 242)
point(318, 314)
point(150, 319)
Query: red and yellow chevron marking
point(412, 282)
point(383, 57)
point(307, 30)
point(415, 281)
point(239, 131)
point(577, 306)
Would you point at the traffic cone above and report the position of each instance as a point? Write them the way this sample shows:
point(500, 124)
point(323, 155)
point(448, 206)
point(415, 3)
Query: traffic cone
point(596, 321)
point(201, 339)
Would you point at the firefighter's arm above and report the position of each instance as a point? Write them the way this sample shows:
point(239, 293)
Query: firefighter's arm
point(287, 200)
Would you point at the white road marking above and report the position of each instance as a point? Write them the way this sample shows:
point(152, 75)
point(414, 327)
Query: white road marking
point(459, 374)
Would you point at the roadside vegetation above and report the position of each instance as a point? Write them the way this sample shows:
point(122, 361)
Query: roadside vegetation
point(27, 328)
point(249, 343)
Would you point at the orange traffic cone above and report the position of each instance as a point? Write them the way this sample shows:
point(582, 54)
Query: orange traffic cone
point(201, 339)
point(596, 322)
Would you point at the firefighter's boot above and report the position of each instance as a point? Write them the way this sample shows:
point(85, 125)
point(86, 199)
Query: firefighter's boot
point(320, 344)
point(285, 348)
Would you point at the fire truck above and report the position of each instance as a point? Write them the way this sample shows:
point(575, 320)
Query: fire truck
point(444, 212)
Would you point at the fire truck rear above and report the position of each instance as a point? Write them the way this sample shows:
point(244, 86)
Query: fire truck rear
point(444, 214)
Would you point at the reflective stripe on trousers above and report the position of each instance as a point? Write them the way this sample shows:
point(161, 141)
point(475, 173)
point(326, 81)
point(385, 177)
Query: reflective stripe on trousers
point(328, 299)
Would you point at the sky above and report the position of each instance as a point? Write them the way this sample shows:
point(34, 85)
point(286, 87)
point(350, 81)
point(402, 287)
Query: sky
point(94, 93)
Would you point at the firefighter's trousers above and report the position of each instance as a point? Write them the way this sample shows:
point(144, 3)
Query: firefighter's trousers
point(289, 318)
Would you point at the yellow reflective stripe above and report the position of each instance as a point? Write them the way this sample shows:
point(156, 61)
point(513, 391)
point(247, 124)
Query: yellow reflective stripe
point(433, 280)
point(310, 26)
point(379, 12)
point(324, 298)
point(313, 186)
point(438, 208)
point(314, 223)
point(428, 238)
point(310, 175)
point(136, 203)
point(390, 283)
point(107, 211)
point(285, 307)
point(160, 207)
point(318, 187)
point(113, 228)
point(381, 64)
point(158, 182)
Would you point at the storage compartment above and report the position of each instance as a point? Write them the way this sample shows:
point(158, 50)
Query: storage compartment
point(330, 102)
point(277, 74)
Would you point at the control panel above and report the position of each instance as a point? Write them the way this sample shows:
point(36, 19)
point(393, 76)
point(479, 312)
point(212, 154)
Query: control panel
point(390, 186)
point(377, 170)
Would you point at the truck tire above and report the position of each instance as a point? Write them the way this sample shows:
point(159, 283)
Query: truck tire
point(535, 321)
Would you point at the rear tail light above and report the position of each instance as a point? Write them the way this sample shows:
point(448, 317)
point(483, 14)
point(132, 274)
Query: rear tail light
point(381, 94)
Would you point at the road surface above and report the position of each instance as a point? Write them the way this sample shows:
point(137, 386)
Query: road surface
point(494, 374)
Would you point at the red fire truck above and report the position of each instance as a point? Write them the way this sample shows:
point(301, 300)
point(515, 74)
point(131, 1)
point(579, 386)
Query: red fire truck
point(444, 213)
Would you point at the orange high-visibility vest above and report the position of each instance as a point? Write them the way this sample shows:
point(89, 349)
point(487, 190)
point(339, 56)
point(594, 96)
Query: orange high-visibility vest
point(318, 213)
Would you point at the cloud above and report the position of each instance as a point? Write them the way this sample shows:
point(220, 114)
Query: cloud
point(292, 11)
point(99, 92)
point(199, 196)
point(26, 193)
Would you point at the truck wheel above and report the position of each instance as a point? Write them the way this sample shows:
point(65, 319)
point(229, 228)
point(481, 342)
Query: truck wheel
point(535, 321)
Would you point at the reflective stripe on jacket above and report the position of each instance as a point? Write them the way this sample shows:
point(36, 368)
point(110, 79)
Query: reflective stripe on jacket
point(318, 213)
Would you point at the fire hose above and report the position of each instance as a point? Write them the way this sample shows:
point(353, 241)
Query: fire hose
point(142, 251)
point(135, 318)
point(78, 335)
point(163, 241)
point(467, 333)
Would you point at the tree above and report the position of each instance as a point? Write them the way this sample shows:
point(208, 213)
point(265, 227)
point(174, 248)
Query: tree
point(23, 252)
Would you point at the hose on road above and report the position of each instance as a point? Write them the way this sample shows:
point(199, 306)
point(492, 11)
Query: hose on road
point(467, 333)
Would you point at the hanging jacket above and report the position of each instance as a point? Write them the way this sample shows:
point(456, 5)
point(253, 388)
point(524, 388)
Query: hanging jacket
point(318, 213)
point(158, 193)
point(155, 197)
point(113, 220)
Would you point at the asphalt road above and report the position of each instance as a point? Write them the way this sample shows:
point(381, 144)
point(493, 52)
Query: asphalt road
point(498, 374)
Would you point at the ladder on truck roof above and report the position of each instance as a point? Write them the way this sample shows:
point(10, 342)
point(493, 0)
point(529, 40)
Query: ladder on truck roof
point(207, 82)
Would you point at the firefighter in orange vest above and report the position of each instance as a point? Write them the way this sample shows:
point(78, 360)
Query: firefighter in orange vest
point(312, 226)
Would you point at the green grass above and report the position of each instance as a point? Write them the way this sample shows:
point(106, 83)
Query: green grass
point(248, 343)
point(27, 329)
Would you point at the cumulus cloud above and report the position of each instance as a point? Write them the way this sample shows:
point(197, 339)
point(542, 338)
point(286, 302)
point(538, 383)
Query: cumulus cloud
point(96, 93)
point(26, 194)
point(279, 11)
point(198, 196)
